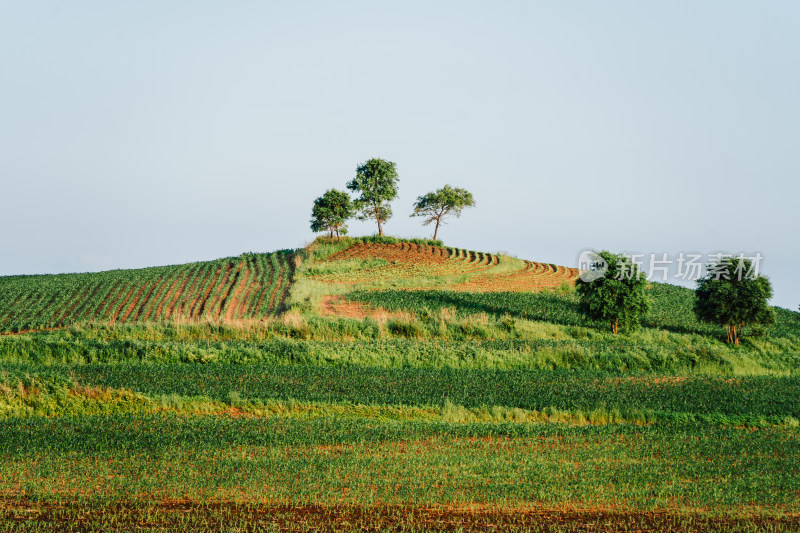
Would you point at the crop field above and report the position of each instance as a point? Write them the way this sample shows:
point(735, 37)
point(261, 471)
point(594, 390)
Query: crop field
point(251, 286)
point(462, 270)
point(305, 448)
point(232, 395)
point(600, 397)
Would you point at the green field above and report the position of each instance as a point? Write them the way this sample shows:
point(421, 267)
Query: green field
point(250, 286)
point(442, 401)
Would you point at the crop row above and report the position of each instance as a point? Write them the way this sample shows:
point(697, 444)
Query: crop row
point(404, 260)
point(159, 433)
point(748, 397)
point(249, 286)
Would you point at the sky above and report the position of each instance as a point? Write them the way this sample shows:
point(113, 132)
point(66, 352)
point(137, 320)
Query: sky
point(149, 133)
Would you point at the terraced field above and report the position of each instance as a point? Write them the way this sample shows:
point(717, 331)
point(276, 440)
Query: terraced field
point(465, 270)
point(534, 277)
point(251, 286)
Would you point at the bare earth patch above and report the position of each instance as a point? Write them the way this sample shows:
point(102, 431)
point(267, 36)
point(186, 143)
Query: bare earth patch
point(335, 305)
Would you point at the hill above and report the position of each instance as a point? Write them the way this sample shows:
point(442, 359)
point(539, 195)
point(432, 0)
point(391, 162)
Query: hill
point(384, 384)
point(371, 301)
point(255, 286)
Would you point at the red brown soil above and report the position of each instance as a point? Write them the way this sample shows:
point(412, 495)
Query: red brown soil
point(334, 305)
point(253, 284)
point(278, 284)
point(106, 307)
point(173, 296)
point(141, 292)
point(77, 297)
point(118, 310)
point(262, 289)
point(193, 304)
point(185, 515)
point(225, 289)
point(534, 277)
point(215, 285)
point(441, 262)
point(234, 305)
point(155, 285)
point(401, 256)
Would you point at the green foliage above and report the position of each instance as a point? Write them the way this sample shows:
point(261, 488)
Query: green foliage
point(438, 205)
point(673, 340)
point(618, 297)
point(376, 180)
point(139, 459)
point(330, 213)
point(192, 292)
point(731, 296)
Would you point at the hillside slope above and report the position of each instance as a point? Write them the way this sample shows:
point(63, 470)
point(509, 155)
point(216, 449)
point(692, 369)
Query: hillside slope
point(250, 286)
point(419, 266)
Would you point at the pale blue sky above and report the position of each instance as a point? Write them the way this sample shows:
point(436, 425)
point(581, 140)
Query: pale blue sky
point(146, 133)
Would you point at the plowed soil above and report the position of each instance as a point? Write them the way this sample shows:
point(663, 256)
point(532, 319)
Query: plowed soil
point(406, 260)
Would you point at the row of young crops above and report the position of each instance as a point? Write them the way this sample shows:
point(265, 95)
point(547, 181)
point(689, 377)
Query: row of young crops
point(251, 286)
point(401, 260)
point(430, 265)
point(741, 400)
point(200, 465)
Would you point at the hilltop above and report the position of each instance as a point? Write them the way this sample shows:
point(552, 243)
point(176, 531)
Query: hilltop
point(255, 286)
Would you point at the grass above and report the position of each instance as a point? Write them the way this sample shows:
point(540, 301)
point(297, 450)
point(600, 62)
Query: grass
point(443, 410)
point(426, 394)
point(146, 458)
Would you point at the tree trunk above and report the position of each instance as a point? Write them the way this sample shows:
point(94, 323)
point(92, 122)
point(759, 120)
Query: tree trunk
point(615, 326)
point(733, 332)
point(380, 229)
point(331, 234)
point(436, 229)
point(338, 237)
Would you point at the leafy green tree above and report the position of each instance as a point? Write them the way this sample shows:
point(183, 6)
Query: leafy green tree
point(437, 205)
point(616, 293)
point(330, 213)
point(733, 295)
point(376, 180)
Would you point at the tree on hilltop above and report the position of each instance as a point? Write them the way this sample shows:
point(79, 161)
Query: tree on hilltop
point(330, 213)
point(376, 180)
point(615, 293)
point(437, 205)
point(733, 295)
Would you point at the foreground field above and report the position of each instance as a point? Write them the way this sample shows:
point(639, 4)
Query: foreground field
point(347, 447)
point(146, 463)
point(382, 385)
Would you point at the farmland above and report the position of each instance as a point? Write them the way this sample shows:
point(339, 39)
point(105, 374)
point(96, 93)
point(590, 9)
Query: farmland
point(251, 286)
point(460, 390)
point(427, 264)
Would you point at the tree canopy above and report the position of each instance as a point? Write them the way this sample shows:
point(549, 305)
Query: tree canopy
point(330, 213)
point(437, 205)
point(376, 180)
point(617, 297)
point(733, 295)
